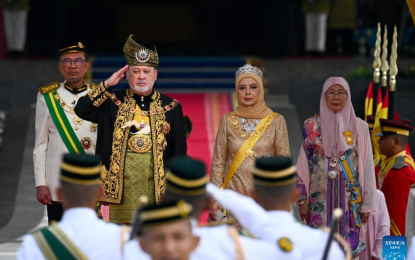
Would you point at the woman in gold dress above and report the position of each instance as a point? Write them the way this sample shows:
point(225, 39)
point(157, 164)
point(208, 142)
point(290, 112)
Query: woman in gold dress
point(251, 131)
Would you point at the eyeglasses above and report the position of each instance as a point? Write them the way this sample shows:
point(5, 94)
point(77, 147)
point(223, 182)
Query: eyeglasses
point(67, 62)
point(340, 94)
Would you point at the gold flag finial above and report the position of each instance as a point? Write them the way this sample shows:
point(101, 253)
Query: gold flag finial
point(377, 62)
point(393, 65)
point(385, 66)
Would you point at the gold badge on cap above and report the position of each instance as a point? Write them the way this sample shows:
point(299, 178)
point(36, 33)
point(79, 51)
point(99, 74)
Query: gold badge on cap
point(80, 45)
point(285, 244)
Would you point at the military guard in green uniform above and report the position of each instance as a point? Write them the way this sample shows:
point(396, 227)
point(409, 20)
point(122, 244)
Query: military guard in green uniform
point(80, 234)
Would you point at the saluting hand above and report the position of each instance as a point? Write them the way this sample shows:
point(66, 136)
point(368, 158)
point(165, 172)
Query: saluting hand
point(116, 77)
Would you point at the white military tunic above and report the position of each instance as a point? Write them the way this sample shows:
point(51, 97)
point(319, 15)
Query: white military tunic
point(273, 225)
point(49, 146)
point(95, 238)
point(217, 243)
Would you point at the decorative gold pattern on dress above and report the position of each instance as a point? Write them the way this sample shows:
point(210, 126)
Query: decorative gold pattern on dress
point(254, 133)
point(140, 143)
point(274, 141)
point(348, 137)
point(86, 142)
point(112, 179)
point(49, 88)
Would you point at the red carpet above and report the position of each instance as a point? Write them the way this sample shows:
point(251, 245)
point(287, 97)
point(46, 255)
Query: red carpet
point(205, 110)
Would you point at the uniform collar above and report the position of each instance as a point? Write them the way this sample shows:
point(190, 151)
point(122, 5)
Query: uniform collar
point(74, 214)
point(282, 216)
point(75, 90)
point(150, 97)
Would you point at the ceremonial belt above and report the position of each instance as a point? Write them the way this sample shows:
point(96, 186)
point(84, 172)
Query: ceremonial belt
point(352, 185)
point(248, 144)
point(56, 245)
point(65, 129)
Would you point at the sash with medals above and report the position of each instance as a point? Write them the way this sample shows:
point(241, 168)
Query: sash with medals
point(54, 244)
point(352, 185)
point(246, 148)
point(65, 129)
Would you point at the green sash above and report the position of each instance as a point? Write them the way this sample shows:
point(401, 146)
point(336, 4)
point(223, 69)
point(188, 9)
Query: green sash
point(56, 245)
point(65, 129)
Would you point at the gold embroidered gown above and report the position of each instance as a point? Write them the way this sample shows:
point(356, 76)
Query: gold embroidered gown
point(229, 139)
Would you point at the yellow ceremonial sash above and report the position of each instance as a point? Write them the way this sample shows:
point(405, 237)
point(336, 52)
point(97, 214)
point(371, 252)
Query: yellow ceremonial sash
point(247, 146)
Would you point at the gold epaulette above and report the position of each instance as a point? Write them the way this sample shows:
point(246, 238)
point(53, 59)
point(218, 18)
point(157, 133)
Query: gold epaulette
point(413, 185)
point(49, 88)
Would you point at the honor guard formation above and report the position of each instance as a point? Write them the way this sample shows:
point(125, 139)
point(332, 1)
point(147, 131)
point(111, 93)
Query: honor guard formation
point(112, 167)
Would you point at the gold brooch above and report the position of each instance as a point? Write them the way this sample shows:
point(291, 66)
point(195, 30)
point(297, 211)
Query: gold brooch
point(80, 45)
point(140, 143)
point(166, 128)
point(348, 136)
point(285, 244)
point(86, 142)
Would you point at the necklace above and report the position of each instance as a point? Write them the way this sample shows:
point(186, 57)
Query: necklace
point(77, 121)
point(155, 96)
point(246, 127)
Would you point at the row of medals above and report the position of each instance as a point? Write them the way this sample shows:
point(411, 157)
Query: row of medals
point(86, 141)
point(333, 173)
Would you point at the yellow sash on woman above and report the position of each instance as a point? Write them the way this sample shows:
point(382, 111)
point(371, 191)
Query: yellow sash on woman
point(246, 148)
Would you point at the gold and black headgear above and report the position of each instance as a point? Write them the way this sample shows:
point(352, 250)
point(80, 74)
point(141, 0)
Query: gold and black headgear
point(168, 212)
point(274, 171)
point(72, 46)
point(82, 169)
point(186, 176)
point(138, 55)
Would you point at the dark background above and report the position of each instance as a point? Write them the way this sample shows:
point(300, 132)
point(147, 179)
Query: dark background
point(218, 27)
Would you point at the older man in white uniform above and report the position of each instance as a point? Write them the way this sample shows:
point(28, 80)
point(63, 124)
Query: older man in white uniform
point(58, 129)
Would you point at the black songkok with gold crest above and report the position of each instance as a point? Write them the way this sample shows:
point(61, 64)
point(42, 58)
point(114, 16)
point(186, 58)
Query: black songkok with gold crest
point(138, 55)
point(72, 46)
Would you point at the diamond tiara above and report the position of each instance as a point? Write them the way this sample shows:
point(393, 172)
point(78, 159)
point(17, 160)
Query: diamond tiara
point(248, 68)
